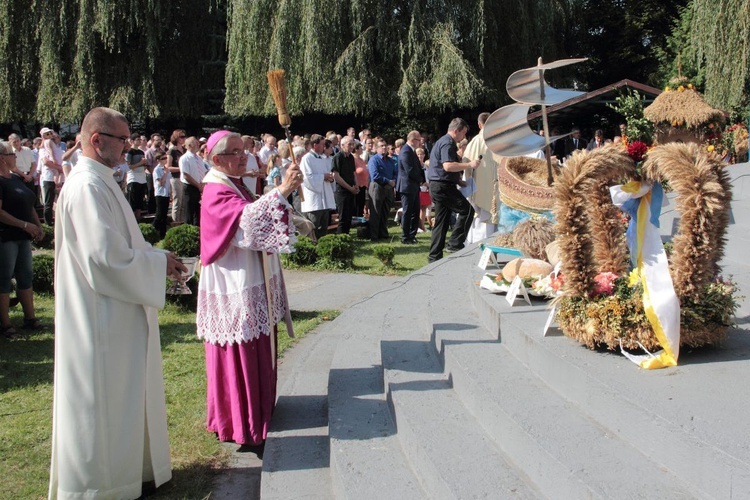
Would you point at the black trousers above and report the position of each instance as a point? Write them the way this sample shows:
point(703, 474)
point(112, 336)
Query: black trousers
point(381, 202)
point(360, 200)
point(410, 218)
point(345, 207)
point(151, 201)
point(191, 201)
point(48, 190)
point(320, 219)
point(447, 198)
point(160, 221)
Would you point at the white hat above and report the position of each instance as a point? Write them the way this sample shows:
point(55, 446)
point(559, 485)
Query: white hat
point(45, 130)
point(202, 139)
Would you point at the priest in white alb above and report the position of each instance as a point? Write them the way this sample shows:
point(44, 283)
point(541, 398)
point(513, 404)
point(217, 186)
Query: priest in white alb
point(109, 430)
point(484, 199)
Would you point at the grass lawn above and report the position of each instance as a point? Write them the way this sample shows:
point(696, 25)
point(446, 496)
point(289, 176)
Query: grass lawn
point(26, 370)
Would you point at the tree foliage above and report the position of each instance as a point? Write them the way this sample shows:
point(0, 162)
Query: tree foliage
point(63, 58)
point(622, 37)
point(720, 34)
point(365, 56)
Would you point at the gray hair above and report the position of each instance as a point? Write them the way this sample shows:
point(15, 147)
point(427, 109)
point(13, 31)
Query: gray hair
point(5, 147)
point(221, 146)
point(458, 124)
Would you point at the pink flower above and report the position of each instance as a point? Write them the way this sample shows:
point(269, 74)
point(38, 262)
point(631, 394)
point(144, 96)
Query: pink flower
point(604, 283)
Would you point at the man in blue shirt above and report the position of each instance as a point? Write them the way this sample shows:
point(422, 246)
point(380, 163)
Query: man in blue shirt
point(382, 194)
point(444, 175)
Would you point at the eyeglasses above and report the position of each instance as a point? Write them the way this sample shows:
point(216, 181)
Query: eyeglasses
point(121, 139)
point(236, 152)
point(182, 137)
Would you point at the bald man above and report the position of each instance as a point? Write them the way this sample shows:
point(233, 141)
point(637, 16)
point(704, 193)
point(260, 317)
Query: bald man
point(109, 433)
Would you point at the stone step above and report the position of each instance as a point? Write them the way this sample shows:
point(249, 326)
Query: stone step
point(366, 459)
point(448, 450)
point(560, 449)
point(671, 416)
point(297, 456)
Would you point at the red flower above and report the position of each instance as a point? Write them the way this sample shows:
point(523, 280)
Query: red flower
point(637, 150)
point(556, 283)
point(604, 283)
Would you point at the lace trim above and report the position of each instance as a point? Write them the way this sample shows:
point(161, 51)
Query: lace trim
point(265, 226)
point(238, 317)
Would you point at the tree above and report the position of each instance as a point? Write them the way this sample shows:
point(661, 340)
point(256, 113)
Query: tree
point(622, 37)
point(138, 56)
point(721, 38)
point(366, 56)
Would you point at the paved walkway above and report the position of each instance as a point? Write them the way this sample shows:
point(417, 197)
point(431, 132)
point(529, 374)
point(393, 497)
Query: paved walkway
point(308, 291)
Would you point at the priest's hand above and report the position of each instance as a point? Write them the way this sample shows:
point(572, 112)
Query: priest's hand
point(292, 181)
point(175, 267)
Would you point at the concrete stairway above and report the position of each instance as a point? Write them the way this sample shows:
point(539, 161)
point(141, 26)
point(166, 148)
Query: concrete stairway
point(438, 389)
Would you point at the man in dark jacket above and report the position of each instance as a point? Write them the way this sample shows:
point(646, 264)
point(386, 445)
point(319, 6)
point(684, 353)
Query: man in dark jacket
point(407, 185)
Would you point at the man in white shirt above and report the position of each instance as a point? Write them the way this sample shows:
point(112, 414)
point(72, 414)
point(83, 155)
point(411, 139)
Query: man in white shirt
point(109, 431)
point(25, 164)
point(50, 165)
point(192, 170)
point(317, 188)
point(268, 149)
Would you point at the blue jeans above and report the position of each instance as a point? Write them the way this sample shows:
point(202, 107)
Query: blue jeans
point(15, 260)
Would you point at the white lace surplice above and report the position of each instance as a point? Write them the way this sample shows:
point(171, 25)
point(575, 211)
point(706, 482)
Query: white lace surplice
point(232, 304)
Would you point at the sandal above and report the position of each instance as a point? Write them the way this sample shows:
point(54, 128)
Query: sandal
point(32, 324)
point(9, 332)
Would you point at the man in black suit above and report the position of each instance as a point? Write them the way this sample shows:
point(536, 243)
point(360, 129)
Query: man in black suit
point(574, 142)
point(407, 185)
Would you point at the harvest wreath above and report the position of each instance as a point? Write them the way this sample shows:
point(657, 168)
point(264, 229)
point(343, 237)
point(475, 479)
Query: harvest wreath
point(607, 302)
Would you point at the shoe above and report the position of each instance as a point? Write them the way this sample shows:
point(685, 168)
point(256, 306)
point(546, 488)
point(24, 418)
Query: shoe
point(9, 332)
point(411, 241)
point(453, 249)
point(32, 324)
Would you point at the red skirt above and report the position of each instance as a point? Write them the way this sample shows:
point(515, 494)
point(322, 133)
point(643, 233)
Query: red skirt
point(424, 199)
point(241, 390)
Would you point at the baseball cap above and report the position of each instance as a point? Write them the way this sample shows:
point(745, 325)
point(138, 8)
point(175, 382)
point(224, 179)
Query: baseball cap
point(45, 130)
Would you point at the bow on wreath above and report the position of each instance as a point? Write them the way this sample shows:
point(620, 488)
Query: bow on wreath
point(642, 201)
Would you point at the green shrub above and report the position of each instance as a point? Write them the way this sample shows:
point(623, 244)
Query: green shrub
point(48, 240)
point(336, 250)
point(43, 269)
point(183, 240)
point(384, 253)
point(150, 234)
point(304, 253)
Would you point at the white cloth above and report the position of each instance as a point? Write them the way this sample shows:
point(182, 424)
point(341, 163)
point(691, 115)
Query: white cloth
point(109, 431)
point(317, 191)
point(481, 227)
point(24, 159)
point(191, 164)
point(251, 183)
